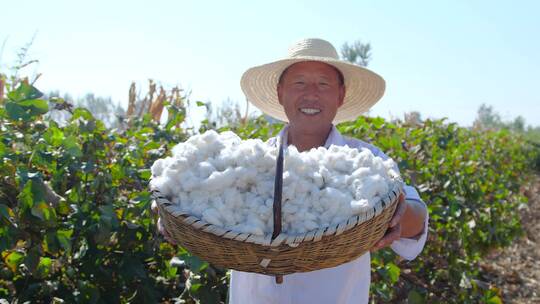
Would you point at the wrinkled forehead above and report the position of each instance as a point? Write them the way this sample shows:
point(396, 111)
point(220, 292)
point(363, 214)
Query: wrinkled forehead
point(312, 64)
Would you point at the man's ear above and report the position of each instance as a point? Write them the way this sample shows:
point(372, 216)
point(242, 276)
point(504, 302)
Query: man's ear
point(279, 93)
point(341, 95)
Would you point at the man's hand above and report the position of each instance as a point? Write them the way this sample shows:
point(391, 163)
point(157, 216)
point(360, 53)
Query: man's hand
point(393, 232)
point(160, 227)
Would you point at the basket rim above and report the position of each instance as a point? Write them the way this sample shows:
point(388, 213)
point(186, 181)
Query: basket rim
point(292, 240)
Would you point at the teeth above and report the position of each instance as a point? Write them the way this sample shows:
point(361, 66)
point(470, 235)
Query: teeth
point(310, 111)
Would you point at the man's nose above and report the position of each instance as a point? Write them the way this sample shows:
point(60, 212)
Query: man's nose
point(312, 89)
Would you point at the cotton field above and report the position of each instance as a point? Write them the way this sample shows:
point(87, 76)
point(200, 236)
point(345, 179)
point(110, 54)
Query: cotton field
point(229, 182)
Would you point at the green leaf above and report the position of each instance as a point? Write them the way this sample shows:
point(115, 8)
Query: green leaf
point(13, 259)
point(26, 110)
point(2, 149)
point(200, 104)
point(15, 111)
point(72, 146)
point(82, 112)
point(44, 267)
point(64, 238)
point(414, 297)
point(393, 272)
point(195, 264)
point(39, 106)
point(494, 300)
point(145, 174)
point(6, 212)
point(23, 92)
point(44, 212)
point(54, 136)
point(32, 193)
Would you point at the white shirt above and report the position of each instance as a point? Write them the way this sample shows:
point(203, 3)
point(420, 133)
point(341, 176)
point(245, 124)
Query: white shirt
point(347, 283)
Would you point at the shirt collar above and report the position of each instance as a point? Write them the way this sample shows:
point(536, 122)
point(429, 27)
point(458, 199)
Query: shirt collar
point(334, 138)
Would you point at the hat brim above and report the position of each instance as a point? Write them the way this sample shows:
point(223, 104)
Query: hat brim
point(363, 88)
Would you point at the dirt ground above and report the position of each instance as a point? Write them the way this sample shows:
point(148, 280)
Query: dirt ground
point(516, 269)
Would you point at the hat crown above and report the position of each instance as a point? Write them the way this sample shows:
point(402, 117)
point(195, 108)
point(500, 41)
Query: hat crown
point(313, 47)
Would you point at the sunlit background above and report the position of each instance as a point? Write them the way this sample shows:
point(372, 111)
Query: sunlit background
point(442, 59)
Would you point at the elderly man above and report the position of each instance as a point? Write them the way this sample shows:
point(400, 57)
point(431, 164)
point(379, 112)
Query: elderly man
point(312, 89)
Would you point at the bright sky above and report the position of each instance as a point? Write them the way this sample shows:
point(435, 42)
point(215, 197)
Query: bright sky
point(441, 58)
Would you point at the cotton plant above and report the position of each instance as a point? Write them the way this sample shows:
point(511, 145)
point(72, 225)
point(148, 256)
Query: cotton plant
point(229, 182)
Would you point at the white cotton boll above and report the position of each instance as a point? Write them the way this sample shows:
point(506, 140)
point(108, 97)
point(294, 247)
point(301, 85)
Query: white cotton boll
point(360, 205)
point(256, 222)
point(379, 184)
point(269, 202)
point(365, 158)
point(361, 172)
point(230, 183)
point(229, 138)
point(289, 193)
point(220, 180)
point(245, 177)
point(337, 181)
point(302, 187)
point(198, 207)
point(289, 208)
point(187, 181)
point(210, 137)
point(344, 165)
point(199, 195)
point(204, 169)
point(161, 184)
point(307, 214)
point(257, 202)
point(232, 197)
point(212, 216)
point(318, 179)
point(338, 219)
point(390, 164)
point(378, 166)
point(228, 217)
point(264, 212)
point(371, 186)
point(374, 200)
point(179, 163)
point(157, 167)
point(173, 174)
point(352, 153)
point(333, 149)
point(220, 162)
point(309, 225)
point(259, 148)
point(292, 159)
point(268, 161)
point(186, 150)
point(264, 188)
point(325, 174)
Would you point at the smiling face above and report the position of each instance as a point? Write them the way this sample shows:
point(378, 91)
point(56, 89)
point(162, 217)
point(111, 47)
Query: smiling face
point(311, 92)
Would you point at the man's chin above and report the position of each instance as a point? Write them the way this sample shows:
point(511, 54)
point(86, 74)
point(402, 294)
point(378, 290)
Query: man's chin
point(311, 129)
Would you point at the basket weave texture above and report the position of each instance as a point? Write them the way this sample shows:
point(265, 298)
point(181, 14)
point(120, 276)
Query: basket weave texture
point(322, 248)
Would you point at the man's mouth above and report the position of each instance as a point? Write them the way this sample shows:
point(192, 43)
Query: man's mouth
point(310, 111)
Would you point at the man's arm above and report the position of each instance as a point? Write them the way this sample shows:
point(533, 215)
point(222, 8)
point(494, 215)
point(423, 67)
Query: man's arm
point(407, 231)
point(412, 221)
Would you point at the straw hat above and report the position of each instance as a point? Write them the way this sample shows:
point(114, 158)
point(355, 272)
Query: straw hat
point(363, 87)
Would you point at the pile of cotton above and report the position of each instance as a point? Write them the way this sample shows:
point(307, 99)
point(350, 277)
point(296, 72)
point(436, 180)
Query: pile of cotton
point(229, 182)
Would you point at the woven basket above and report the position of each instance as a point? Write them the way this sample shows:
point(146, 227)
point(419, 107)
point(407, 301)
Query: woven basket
point(326, 247)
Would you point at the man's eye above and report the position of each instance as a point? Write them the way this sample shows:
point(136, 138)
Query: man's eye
point(299, 82)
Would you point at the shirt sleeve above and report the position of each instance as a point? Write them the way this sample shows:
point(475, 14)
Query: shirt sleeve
point(410, 248)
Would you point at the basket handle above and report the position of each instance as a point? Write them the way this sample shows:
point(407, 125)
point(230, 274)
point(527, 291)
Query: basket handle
point(278, 190)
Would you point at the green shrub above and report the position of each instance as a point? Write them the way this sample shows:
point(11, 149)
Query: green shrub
point(76, 220)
